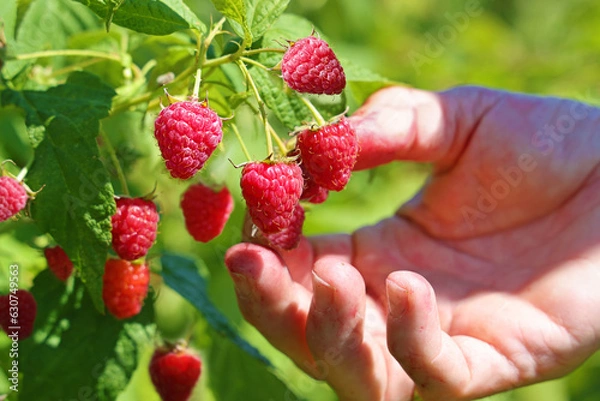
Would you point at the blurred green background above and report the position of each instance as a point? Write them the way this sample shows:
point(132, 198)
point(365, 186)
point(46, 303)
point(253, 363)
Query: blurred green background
point(547, 47)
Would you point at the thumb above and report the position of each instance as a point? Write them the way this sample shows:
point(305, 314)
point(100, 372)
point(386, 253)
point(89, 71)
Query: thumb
point(402, 123)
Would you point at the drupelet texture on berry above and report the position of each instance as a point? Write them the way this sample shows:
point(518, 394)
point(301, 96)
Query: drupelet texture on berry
point(312, 192)
point(134, 226)
point(13, 197)
point(310, 66)
point(124, 287)
point(187, 133)
point(329, 153)
point(289, 237)
point(174, 373)
point(206, 211)
point(17, 314)
point(58, 262)
point(271, 190)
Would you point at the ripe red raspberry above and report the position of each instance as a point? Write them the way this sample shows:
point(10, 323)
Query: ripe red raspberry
point(289, 237)
point(312, 192)
point(58, 262)
point(310, 66)
point(17, 314)
point(329, 153)
point(134, 226)
point(174, 373)
point(187, 134)
point(125, 286)
point(13, 197)
point(206, 211)
point(271, 191)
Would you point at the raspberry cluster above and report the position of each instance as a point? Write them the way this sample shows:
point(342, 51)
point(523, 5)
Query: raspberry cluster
point(126, 280)
point(321, 160)
point(277, 191)
point(274, 189)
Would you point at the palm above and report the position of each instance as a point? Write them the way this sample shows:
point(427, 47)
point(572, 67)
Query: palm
point(515, 308)
point(484, 296)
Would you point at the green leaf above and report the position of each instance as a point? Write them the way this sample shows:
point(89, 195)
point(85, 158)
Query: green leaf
point(84, 354)
point(43, 25)
point(83, 99)
point(153, 17)
point(264, 14)
point(243, 374)
point(133, 339)
point(181, 274)
point(284, 102)
point(237, 13)
point(8, 13)
point(76, 200)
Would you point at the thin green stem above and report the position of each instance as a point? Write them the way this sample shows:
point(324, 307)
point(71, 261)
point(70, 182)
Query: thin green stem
point(75, 67)
point(148, 66)
point(220, 60)
point(240, 53)
point(200, 62)
point(277, 139)
point(67, 52)
point(313, 110)
point(203, 45)
point(115, 161)
point(261, 105)
point(197, 81)
point(22, 174)
point(254, 62)
point(252, 52)
point(145, 97)
point(241, 141)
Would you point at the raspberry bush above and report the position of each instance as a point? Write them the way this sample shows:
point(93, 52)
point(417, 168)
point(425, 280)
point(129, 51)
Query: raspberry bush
point(151, 136)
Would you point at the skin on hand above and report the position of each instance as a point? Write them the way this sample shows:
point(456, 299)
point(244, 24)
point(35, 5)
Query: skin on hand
point(485, 281)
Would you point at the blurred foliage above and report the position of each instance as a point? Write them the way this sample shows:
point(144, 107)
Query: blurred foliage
point(546, 47)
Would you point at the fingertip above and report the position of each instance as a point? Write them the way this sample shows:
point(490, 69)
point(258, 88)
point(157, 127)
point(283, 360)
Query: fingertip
point(414, 334)
point(397, 296)
point(412, 311)
point(337, 272)
point(405, 289)
point(246, 258)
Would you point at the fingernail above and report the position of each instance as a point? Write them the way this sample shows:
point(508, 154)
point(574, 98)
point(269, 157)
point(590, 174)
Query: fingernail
point(397, 298)
point(243, 287)
point(324, 293)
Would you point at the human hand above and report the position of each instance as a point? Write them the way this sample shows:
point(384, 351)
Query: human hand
point(487, 280)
